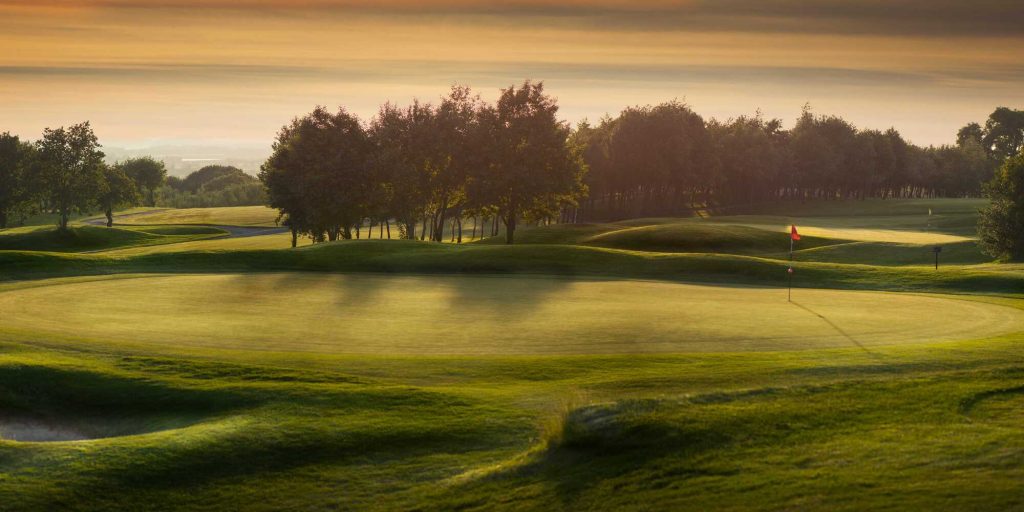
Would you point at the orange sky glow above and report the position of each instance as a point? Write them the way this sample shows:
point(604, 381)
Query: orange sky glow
point(150, 71)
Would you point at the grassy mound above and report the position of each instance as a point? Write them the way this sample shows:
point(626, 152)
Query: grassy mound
point(95, 238)
point(226, 216)
point(423, 257)
point(880, 253)
point(42, 403)
point(665, 235)
point(701, 237)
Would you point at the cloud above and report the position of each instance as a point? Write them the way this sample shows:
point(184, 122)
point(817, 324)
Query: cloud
point(935, 18)
point(442, 71)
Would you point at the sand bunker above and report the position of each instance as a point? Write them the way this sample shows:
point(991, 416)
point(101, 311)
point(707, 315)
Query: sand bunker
point(13, 428)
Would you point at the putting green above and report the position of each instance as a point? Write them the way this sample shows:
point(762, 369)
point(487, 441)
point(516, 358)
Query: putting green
point(382, 314)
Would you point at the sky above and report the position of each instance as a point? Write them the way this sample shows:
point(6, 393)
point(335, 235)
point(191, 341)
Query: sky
point(149, 72)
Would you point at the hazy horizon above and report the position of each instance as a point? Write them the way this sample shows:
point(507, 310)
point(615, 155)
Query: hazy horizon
point(150, 72)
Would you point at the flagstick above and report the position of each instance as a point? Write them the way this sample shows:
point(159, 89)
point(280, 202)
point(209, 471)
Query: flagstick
point(789, 296)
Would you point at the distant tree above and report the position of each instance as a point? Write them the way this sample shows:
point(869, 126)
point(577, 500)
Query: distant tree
point(175, 183)
point(749, 161)
point(116, 190)
point(1001, 226)
point(147, 173)
point(70, 165)
point(662, 155)
point(17, 189)
point(214, 177)
point(971, 132)
point(1004, 133)
point(531, 165)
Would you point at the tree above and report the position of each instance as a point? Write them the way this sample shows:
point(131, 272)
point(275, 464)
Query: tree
point(1004, 133)
point(319, 174)
point(455, 155)
point(971, 132)
point(70, 164)
point(147, 173)
point(1001, 226)
point(395, 134)
point(116, 190)
point(16, 187)
point(531, 165)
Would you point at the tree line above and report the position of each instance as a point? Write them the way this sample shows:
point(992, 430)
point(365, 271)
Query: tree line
point(64, 172)
point(426, 165)
point(668, 160)
point(424, 168)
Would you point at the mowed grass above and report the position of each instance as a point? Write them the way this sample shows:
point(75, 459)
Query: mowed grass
point(553, 375)
point(226, 216)
point(449, 315)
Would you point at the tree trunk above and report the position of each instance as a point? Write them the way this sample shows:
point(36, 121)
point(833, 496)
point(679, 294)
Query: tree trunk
point(387, 224)
point(3, 219)
point(510, 227)
point(442, 215)
point(459, 239)
point(472, 236)
point(64, 214)
point(295, 237)
point(110, 218)
point(423, 234)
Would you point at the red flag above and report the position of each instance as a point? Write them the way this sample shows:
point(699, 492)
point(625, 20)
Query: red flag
point(793, 235)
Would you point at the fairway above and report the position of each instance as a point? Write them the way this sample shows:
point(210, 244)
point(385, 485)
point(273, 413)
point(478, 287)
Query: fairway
point(481, 315)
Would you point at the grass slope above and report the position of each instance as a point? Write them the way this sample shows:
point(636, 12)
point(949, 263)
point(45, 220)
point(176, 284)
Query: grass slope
point(226, 216)
point(922, 426)
point(422, 257)
point(916, 427)
point(83, 238)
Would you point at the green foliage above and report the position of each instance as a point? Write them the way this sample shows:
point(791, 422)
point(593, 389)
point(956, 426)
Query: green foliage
point(117, 190)
point(148, 174)
point(1004, 133)
point(18, 184)
point(1001, 225)
point(327, 175)
point(319, 175)
point(70, 167)
point(666, 161)
point(243, 193)
point(533, 171)
point(213, 178)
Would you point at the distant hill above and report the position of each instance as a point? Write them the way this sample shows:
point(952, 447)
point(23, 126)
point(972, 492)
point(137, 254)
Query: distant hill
point(182, 160)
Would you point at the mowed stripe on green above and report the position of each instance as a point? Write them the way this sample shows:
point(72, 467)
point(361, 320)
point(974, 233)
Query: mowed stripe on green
point(485, 315)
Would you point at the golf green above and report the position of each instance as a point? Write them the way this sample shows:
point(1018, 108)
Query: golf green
point(483, 315)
